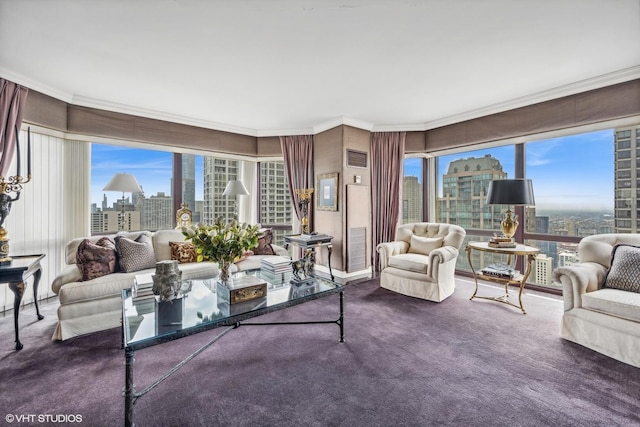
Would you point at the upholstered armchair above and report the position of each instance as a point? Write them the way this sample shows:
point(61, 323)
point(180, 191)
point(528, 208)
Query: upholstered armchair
point(601, 296)
point(421, 261)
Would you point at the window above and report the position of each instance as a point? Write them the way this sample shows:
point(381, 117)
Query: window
point(463, 180)
point(275, 208)
point(412, 191)
point(150, 210)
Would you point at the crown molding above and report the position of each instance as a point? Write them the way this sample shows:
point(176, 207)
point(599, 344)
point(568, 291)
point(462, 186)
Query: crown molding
point(35, 85)
point(597, 82)
point(604, 80)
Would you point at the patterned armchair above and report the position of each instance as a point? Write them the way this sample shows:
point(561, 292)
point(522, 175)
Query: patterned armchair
point(421, 261)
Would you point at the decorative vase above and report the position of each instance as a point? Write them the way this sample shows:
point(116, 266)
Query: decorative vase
point(224, 266)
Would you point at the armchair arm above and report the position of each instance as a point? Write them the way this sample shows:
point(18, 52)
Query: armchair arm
point(388, 249)
point(577, 280)
point(440, 256)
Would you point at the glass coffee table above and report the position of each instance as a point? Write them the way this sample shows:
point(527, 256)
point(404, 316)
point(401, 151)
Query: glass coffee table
point(147, 322)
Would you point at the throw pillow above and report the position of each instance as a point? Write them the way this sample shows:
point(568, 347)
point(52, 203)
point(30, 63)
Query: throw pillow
point(135, 255)
point(96, 259)
point(264, 243)
point(624, 273)
point(424, 245)
point(183, 252)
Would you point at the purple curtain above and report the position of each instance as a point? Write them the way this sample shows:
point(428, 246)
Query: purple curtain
point(12, 100)
point(387, 160)
point(297, 151)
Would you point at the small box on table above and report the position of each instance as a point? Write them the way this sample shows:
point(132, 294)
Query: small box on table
point(241, 289)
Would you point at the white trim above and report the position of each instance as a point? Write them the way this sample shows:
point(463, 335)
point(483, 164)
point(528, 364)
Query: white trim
point(598, 82)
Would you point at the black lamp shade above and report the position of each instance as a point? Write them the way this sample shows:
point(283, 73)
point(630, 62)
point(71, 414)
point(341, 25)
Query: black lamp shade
point(510, 192)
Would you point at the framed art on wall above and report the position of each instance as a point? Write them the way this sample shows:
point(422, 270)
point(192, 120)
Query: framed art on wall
point(327, 192)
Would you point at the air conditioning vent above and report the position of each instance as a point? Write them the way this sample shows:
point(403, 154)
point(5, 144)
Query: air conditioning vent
point(356, 159)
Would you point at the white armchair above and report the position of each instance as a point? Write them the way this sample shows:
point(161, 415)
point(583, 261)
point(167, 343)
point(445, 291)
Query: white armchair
point(421, 261)
point(606, 320)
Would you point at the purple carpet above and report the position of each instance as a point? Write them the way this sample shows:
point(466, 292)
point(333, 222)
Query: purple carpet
point(405, 362)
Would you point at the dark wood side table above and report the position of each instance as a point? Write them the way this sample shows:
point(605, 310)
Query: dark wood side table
point(311, 242)
point(16, 274)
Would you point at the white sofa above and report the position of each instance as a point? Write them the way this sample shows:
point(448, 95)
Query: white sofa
point(421, 262)
point(603, 319)
point(95, 305)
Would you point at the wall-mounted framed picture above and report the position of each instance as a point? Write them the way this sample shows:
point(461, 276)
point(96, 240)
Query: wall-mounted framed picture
point(327, 192)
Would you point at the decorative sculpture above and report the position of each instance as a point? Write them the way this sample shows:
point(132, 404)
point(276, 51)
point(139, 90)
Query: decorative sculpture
point(8, 185)
point(304, 198)
point(303, 267)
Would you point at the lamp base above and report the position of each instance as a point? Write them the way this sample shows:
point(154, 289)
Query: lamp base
point(509, 224)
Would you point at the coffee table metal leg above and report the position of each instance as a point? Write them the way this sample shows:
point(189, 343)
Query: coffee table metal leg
point(341, 320)
point(129, 388)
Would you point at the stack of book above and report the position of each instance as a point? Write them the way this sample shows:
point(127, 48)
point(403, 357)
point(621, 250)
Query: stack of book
point(275, 264)
point(502, 242)
point(500, 270)
point(142, 287)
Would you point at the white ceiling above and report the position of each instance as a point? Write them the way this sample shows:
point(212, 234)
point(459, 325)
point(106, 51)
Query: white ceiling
point(275, 67)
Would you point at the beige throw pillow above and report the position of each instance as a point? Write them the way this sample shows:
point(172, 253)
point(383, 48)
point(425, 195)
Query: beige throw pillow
point(424, 245)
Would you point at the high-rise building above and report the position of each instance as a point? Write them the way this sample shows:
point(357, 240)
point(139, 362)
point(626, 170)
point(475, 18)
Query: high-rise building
point(217, 172)
point(464, 193)
point(275, 200)
point(542, 270)
point(189, 181)
point(626, 204)
point(411, 200)
point(156, 212)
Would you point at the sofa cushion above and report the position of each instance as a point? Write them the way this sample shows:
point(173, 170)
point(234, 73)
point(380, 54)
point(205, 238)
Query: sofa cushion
point(96, 259)
point(614, 302)
point(424, 245)
point(410, 262)
point(161, 239)
point(135, 255)
point(624, 273)
point(183, 252)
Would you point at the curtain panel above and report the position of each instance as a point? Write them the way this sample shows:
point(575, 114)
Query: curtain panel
point(297, 151)
point(387, 160)
point(12, 100)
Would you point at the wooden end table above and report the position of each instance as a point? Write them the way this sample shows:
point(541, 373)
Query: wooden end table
point(16, 274)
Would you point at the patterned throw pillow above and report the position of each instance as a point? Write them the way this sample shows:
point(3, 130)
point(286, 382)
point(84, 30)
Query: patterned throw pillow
point(264, 243)
point(183, 252)
point(96, 259)
point(135, 255)
point(624, 273)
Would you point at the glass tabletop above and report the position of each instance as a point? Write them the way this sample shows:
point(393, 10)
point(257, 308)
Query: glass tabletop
point(146, 321)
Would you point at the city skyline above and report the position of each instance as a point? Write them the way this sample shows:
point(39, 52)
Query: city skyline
point(574, 172)
point(107, 160)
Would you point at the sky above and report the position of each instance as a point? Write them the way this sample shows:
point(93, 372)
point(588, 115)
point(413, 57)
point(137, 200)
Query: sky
point(153, 170)
point(572, 172)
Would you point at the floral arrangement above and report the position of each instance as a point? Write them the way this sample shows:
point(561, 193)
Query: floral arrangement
point(222, 243)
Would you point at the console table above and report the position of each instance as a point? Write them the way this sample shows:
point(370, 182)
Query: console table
point(16, 274)
point(311, 241)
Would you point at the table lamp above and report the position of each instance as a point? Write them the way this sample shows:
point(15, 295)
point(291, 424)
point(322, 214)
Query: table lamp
point(235, 187)
point(126, 183)
point(516, 192)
